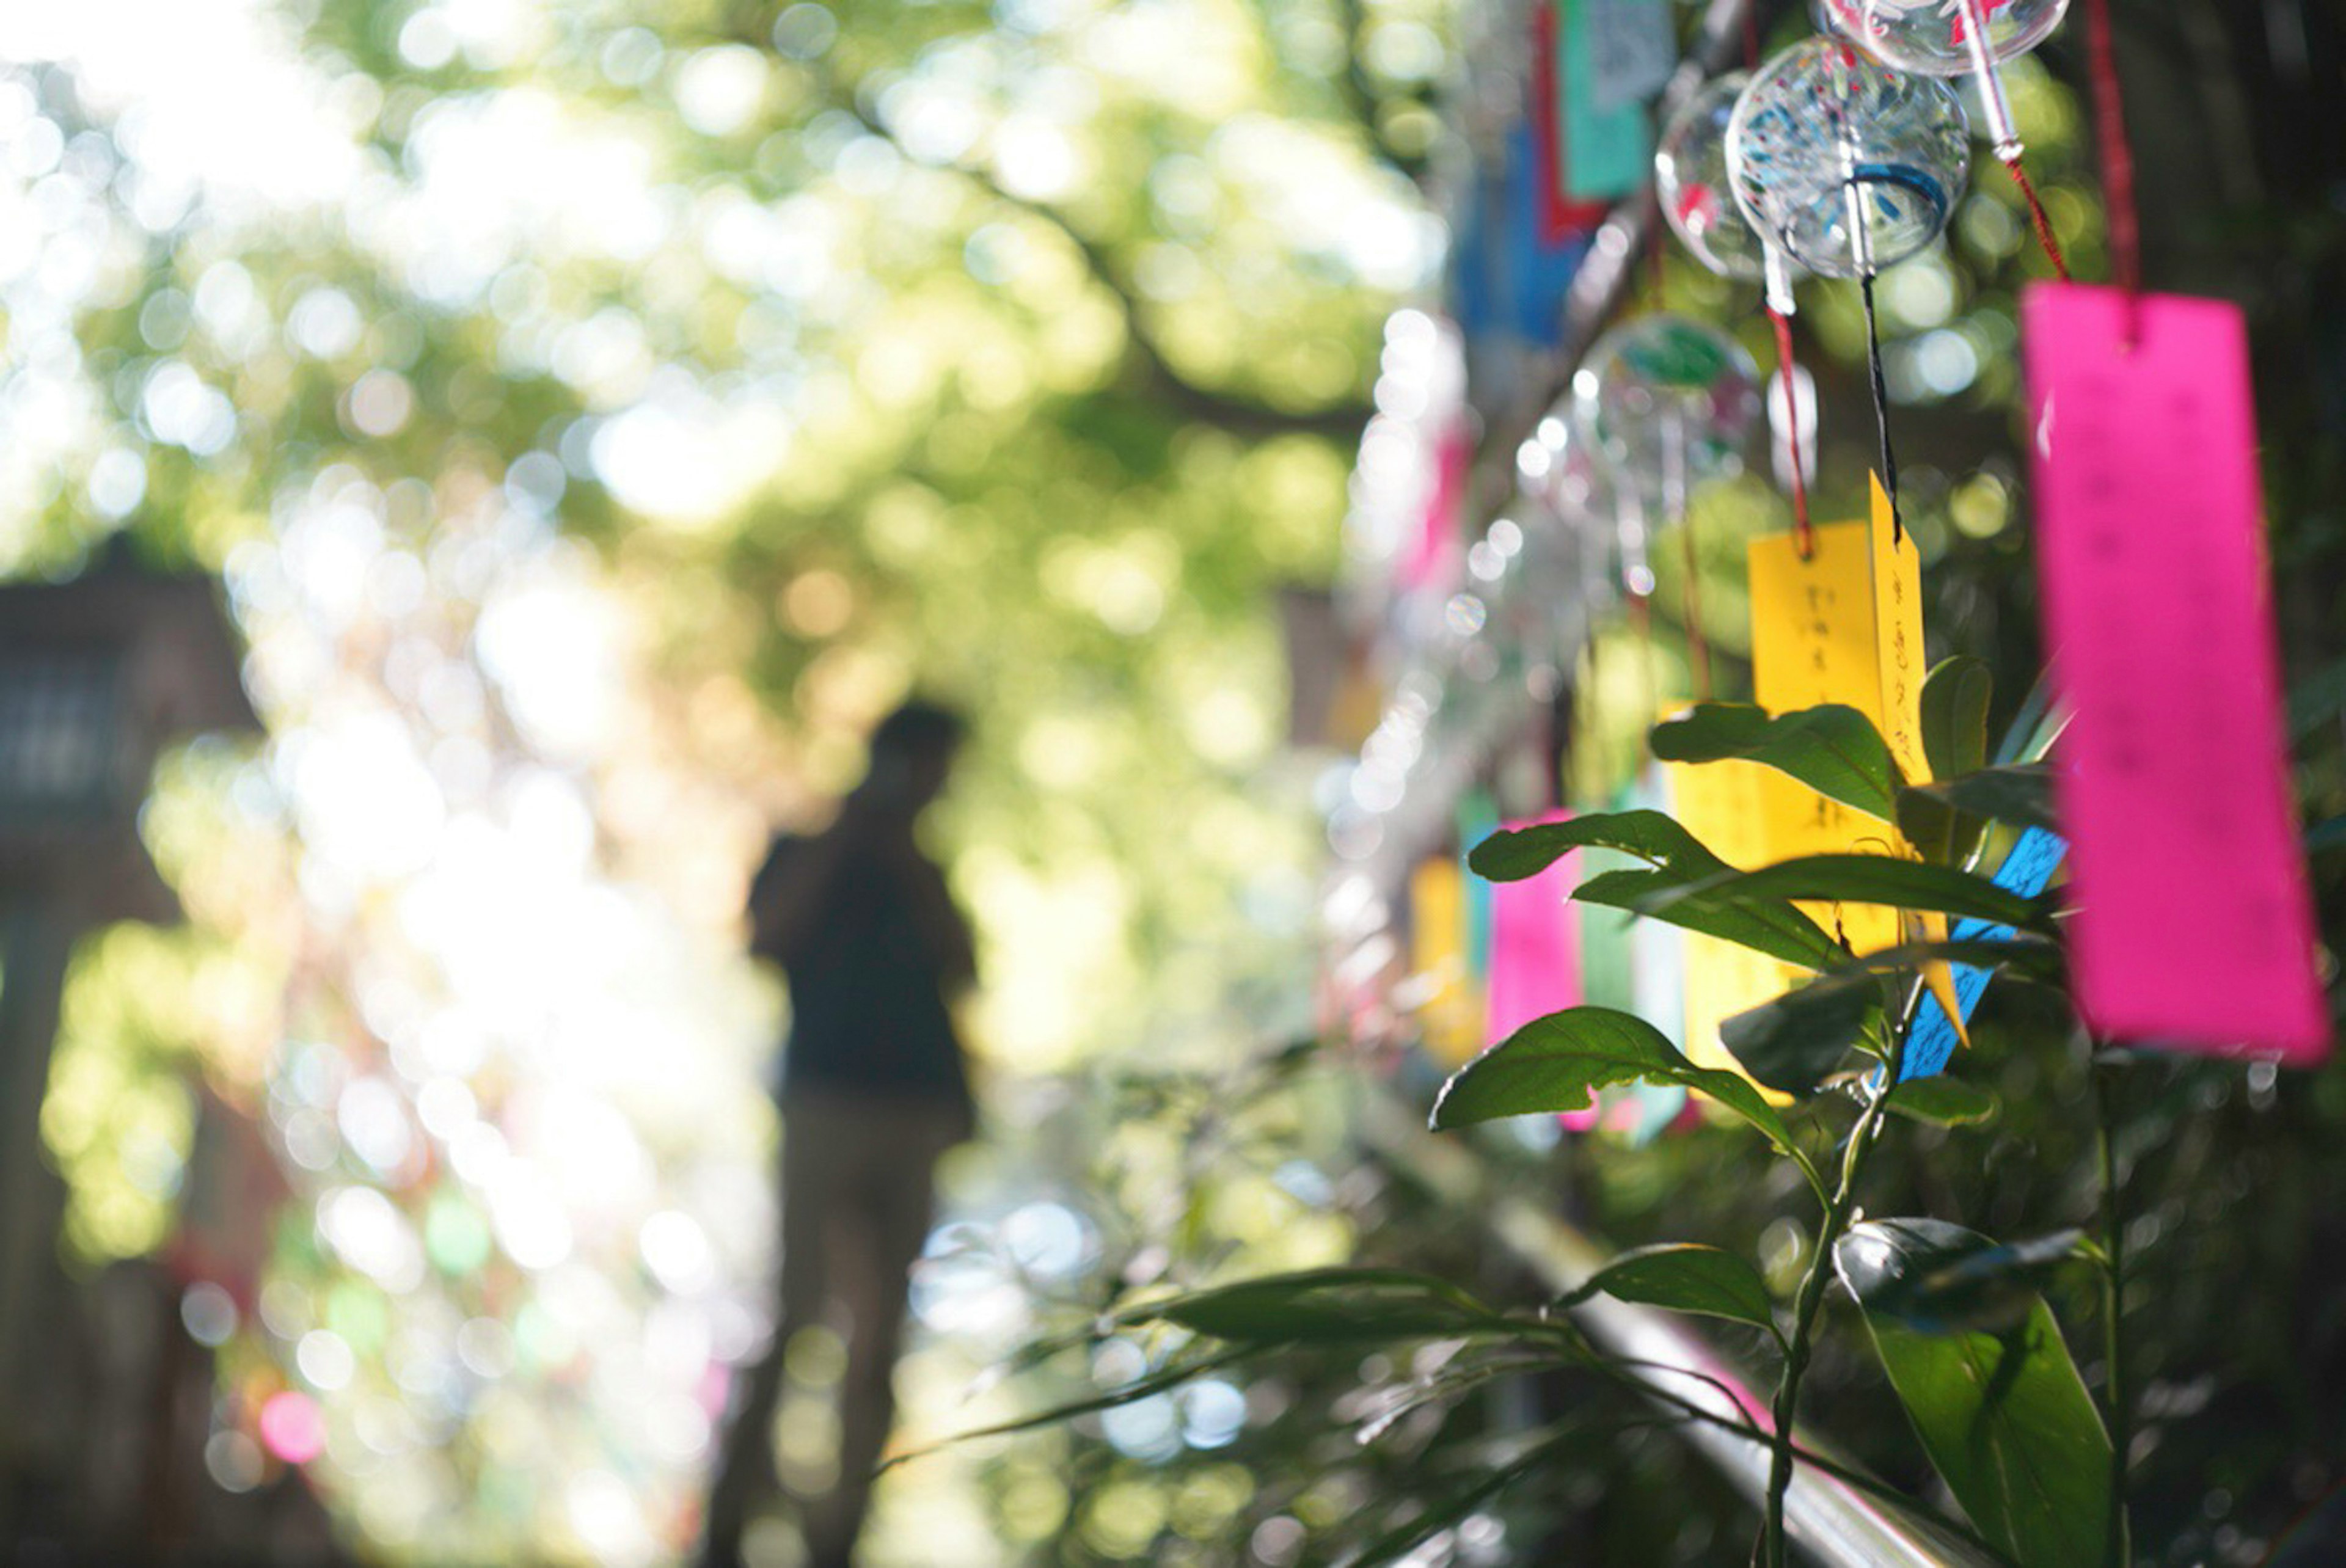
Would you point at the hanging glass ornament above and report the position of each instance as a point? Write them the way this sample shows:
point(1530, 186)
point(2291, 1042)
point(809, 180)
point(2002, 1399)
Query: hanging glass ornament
point(1951, 38)
point(1691, 179)
point(1662, 404)
point(1847, 165)
point(1573, 546)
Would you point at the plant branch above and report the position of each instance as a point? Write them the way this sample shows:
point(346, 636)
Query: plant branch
point(1811, 1295)
point(2119, 1536)
point(1157, 375)
point(1360, 91)
point(1846, 1474)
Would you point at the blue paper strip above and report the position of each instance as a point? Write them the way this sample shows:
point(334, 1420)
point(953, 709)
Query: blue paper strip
point(1539, 274)
point(1931, 1042)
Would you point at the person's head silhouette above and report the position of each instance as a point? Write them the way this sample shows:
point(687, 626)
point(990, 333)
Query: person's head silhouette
point(912, 752)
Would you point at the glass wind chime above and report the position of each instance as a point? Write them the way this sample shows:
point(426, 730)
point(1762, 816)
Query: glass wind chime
point(1955, 38)
point(1849, 167)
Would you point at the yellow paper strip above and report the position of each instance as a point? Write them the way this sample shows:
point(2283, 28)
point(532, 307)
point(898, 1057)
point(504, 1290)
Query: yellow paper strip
point(1815, 639)
point(1451, 1011)
point(1898, 627)
point(1721, 803)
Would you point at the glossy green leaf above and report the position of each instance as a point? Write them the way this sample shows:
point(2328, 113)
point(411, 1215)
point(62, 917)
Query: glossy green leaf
point(1993, 1395)
point(1955, 704)
point(1939, 833)
point(2035, 729)
point(1833, 749)
point(1674, 858)
point(1938, 1278)
point(1796, 1042)
point(1945, 1101)
point(1865, 879)
point(1772, 926)
point(1324, 1305)
point(1558, 1063)
point(1653, 836)
point(1684, 1277)
point(1954, 701)
point(2021, 796)
point(2021, 952)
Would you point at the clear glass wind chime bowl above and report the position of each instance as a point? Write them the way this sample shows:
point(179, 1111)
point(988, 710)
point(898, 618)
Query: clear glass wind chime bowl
point(1691, 179)
point(1934, 37)
point(1848, 166)
point(1664, 402)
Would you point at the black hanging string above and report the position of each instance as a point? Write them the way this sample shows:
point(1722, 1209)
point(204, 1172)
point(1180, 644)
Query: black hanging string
point(1882, 409)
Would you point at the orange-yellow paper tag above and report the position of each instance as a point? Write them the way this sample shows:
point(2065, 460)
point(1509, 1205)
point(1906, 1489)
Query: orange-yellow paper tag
point(1844, 625)
point(1898, 627)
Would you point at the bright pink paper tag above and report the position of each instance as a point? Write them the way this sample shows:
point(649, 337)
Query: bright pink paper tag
point(2194, 927)
point(1535, 946)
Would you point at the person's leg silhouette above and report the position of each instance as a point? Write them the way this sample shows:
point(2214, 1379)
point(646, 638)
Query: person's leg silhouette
point(894, 1203)
point(746, 1476)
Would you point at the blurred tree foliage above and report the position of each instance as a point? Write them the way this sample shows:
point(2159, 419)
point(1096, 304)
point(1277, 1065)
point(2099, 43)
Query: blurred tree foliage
point(1009, 352)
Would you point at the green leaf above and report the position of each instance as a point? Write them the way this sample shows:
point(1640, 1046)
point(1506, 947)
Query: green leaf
point(1440, 1514)
point(2021, 952)
point(1945, 1101)
point(1994, 1397)
point(1862, 879)
point(1833, 749)
point(1676, 859)
point(1559, 1061)
point(1170, 1376)
point(2035, 729)
point(1460, 1376)
point(1684, 1278)
point(1657, 840)
point(1795, 1043)
point(1940, 834)
point(1937, 1278)
point(1772, 926)
point(1324, 1305)
point(1955, 695)
point(2021, 796)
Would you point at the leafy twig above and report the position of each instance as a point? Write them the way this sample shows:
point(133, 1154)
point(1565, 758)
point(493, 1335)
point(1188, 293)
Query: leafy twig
point(1812, 1298)
point(2098, 1074)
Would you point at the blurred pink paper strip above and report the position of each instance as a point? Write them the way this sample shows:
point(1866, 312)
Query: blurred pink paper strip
point(1432, 557)
point(2194, 926)
point(1535, 951)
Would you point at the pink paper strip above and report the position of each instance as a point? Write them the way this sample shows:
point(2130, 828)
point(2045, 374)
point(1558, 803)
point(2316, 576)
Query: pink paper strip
point(2194, 927)
point(1535, 946)
point(1432, 558)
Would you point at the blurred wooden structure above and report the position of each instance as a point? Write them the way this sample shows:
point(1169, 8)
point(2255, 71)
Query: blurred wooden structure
point(98, 674)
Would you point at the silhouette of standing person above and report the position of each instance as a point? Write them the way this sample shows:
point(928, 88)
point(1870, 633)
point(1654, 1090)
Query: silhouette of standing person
point(873, 1091)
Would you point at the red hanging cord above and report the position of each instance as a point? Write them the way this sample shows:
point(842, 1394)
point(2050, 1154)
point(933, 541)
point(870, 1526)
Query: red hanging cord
point(1752, 35)
point(2038, 220)
point(2117, 158)
point(1804, 534)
